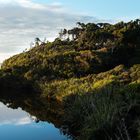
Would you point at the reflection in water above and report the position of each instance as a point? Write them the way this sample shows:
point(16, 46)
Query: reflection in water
point(16, 124)
point(11, 116)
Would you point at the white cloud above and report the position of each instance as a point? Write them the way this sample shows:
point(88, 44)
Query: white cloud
point(20, 121)
point(23, 121)
point(14, 117)
point(33, 5)
point(4, 56)
point(23, 20)
point(29, 4)
point(23, 3)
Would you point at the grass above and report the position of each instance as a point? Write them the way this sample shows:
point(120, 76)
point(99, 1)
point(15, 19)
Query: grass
point(104, 114)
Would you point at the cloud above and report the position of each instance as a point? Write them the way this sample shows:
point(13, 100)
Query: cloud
point(4, 56)
point(23, 20)
point(20, 121)
point(23, 121)
point(23, 3)
point(14, 117)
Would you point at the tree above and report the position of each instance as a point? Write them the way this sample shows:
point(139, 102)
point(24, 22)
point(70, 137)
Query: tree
point(37, 41)
point(82, 25)
point(61, 34)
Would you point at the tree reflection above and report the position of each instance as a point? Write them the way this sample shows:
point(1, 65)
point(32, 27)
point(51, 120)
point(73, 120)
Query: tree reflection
point(38, 108)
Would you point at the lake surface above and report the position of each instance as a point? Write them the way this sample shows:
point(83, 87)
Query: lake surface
point(16, 124)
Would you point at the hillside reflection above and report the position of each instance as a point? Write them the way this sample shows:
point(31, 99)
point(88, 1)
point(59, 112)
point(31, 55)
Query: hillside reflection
point(38, 108)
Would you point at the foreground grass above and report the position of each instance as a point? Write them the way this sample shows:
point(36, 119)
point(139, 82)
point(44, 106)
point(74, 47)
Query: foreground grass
point(108, 114)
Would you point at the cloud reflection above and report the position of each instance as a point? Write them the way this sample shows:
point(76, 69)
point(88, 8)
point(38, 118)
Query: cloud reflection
point(14, 117)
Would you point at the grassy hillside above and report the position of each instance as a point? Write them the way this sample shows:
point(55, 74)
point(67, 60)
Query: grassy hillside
point(93, 70)
point(94, 48)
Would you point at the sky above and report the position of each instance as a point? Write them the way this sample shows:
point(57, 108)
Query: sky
point(23, 20)
point(21, 126)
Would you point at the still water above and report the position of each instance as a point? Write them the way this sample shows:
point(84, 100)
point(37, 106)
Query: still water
point(16, 124)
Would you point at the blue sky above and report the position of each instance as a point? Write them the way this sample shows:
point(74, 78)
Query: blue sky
point(23, 20)
point(105, 9)
point(21, 126)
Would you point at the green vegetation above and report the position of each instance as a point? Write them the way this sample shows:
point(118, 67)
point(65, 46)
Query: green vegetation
point(92, 70)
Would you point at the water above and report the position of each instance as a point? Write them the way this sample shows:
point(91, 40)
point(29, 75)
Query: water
point(16, 124)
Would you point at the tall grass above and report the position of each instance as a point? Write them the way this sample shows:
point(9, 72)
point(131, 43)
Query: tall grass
point(103, 115)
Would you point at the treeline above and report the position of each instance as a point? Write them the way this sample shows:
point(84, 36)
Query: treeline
point(93, 48)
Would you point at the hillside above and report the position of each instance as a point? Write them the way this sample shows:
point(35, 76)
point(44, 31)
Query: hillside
point(93, 70)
